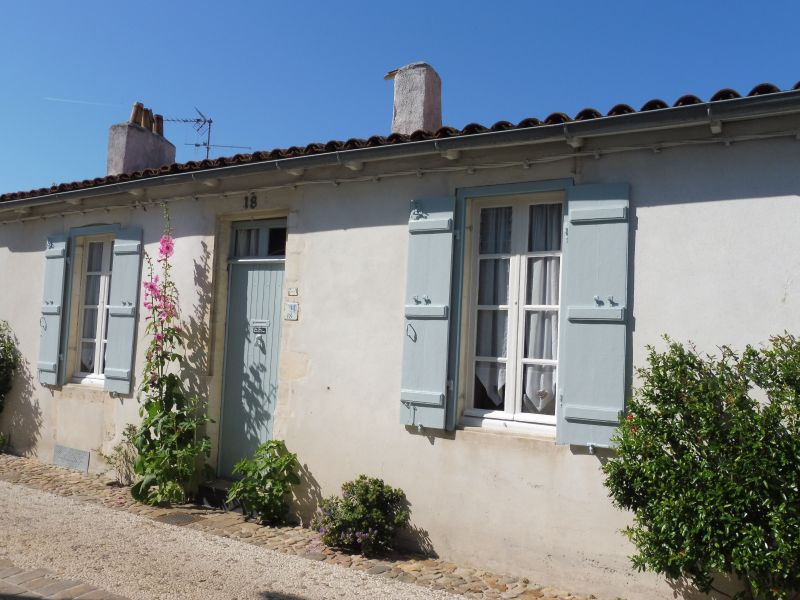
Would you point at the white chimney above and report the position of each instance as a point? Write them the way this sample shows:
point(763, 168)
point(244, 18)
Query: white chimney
point(138, 144)
point(417, 98)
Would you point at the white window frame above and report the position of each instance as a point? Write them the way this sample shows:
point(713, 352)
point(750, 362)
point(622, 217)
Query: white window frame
point(517, 309)
point(101, 334)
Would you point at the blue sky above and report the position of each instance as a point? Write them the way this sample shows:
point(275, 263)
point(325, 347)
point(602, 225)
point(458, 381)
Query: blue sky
point(275, 74)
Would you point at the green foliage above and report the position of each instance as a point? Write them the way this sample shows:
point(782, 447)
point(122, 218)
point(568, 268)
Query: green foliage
point(267, 479)
point(169, 442)
point(366, 517)
point(710, 466)
point(5, 442)
point(9, 360)
point(123, 456)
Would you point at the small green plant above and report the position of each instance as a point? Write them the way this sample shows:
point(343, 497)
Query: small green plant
point(267, 480)
point(123, 456)
point(9, 360)
point(5, 442)
point(170, 444)
point(365, 518)
point(711, 470)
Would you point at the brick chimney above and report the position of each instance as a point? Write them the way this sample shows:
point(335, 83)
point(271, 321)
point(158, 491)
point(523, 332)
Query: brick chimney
point(139, 143)
point(417, 98)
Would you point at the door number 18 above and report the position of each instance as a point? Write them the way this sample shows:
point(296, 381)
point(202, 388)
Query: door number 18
point(250, 201)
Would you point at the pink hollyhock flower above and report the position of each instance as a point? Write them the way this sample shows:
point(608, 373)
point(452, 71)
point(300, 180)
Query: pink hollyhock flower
point(166, 247)
point(152, 286)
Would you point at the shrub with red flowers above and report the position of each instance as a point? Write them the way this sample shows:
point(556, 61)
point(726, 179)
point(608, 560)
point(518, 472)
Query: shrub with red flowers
point(708, 461)
point(170, 443)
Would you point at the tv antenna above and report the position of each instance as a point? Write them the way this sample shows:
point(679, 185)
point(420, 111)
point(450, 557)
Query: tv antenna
point(202, 125)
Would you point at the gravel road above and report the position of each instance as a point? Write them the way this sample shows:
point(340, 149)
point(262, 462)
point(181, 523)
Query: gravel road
point(145, 560)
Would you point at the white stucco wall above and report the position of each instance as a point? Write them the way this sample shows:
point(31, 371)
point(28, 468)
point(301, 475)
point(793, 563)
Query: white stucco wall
point(716, 259)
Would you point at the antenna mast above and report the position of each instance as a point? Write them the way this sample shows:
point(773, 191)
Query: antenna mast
point(202, 125)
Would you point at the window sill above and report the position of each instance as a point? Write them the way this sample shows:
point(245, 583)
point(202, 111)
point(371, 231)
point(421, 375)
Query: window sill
point(94, 382)
point(540, 430)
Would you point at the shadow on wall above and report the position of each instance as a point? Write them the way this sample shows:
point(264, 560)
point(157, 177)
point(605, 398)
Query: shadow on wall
point(22, 416)
point(306, 496)
point(723, 588)
point(415, 539)
point(196, 330)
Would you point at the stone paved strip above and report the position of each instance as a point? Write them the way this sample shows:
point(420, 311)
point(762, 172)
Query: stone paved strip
point(430, 573)
point(41, 583)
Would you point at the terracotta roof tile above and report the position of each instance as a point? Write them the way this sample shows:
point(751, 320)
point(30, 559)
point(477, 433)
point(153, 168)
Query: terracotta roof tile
point(687, 100)
point(621, 109)
point(587, 114)
point(764, 88)
point(555, 118)
point(725, 94)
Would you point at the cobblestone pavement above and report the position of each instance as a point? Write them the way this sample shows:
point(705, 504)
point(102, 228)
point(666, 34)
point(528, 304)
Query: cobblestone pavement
point(430, 573)
point(40, 583)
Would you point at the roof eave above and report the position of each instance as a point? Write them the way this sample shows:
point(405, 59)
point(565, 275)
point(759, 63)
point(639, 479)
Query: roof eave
point(710, 113)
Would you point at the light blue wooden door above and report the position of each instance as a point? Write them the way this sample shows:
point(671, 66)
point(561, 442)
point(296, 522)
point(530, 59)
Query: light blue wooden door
point(251, 360)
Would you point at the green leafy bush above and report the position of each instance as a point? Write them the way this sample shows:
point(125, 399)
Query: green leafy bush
point(5, 442)
point(267, 480)
point(170, 444)
point(365, 518)
point(123, 456)
point(709, 462)
point(9, 360)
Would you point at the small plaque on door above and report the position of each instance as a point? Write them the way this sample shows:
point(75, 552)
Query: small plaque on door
point(259, 327)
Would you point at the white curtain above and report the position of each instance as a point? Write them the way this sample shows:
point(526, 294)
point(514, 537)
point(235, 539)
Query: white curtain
point(492, 377)
point(492, 331)
point(544, 232)
point(541, 326)
point(495, 232)
point(493, 281)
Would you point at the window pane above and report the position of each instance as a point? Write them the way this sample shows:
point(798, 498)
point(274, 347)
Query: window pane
point(544, 231)
point(541, 334)
point(492, 333)
point(89, 323)
point(495, 234)
point(94, 262)
point(490, 386)
point(246, 243)
point(539, 389)
point(543, 279)
point(493, 281)
point(91, 295)
point(277, 242)
point(87, 357)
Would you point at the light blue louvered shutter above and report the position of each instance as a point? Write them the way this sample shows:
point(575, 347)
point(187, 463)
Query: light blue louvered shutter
point(423, 391)
point(52, 309)
point(594, 319)
point(122, 310)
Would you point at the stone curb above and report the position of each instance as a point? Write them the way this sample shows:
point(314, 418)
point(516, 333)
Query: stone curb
point(427, 572)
